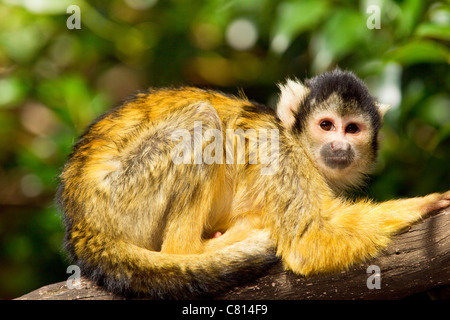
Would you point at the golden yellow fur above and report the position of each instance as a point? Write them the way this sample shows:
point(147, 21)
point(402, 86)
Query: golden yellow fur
point(139, 223)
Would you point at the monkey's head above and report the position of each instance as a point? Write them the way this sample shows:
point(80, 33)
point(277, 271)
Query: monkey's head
point(337, 121)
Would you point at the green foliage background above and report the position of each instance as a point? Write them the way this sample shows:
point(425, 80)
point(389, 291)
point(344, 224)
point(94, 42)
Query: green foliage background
point(54, 81)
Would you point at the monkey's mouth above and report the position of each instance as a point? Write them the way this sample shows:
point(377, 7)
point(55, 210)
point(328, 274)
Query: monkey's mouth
point(337, 162)
point(337, 159)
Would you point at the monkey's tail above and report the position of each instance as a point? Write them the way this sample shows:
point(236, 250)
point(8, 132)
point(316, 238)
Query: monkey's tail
point(130, 270)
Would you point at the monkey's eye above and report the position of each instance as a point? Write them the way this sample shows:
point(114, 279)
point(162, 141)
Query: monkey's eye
point(326, 125)
point(352, 128)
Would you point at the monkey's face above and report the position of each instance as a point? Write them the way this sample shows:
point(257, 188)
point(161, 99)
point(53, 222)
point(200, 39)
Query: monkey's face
point(337, 122)
point(340, 144)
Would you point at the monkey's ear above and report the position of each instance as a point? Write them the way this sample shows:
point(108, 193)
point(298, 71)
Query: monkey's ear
point(292, 96)
point(382, 108)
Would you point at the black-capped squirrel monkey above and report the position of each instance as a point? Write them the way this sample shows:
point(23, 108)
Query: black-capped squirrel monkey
point(186, 192)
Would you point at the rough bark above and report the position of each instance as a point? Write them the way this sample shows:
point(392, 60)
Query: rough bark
point(416, 261)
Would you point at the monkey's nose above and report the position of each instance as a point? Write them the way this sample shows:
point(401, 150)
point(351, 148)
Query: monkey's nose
point(340, 145)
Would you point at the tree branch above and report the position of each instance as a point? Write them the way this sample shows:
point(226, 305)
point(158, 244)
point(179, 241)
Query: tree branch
point(417, 260)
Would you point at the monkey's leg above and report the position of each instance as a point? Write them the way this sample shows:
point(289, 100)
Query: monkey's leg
point(198, 188)
point(202, 198)
point(344, 234)
point(242, 227)
point(217, 234)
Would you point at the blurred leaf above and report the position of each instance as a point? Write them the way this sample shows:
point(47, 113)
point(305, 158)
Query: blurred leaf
point(295, 17)
point(72, 99)
point(19, 248)
point(441, 32)
point(12, 90)
point(343, 31)
point(439, 13)
point(419, 51)
point(22, 41)
point(47, 6)
point(7, 124)
point(436, 109)
point(410, 13)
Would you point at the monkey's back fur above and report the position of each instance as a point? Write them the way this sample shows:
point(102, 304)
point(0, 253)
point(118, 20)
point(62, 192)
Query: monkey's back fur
point(121, 192)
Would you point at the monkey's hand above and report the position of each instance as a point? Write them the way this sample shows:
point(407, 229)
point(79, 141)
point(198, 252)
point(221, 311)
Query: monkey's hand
point(395, 215)
point(436, 201)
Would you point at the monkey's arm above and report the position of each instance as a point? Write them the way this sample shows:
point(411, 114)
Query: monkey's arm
point(342, 234)
point(416, 260)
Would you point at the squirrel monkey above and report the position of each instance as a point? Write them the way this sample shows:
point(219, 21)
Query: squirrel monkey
point(147, 214)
